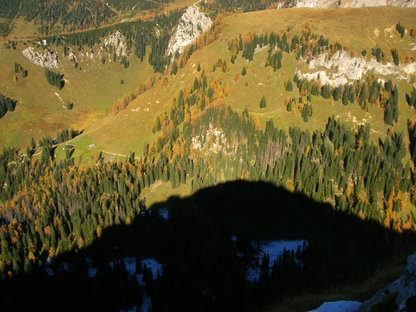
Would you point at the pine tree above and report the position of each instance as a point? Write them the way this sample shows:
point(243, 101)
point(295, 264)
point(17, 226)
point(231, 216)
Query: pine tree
point(395, 55)
point(263, 102)
point(289, 106)
point(411, 100)
point(244, 72)
point(326, 92)
point(174, 68)
point(289, 86)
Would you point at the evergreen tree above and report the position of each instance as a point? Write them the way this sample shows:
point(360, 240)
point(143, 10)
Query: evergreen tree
point(326, 92)
point(174, 68)
point(263, 102)
point(395, 55)
point(411, 100)
point(244, 72)
point(289, 106)
point(289, 86)
point(401, 29)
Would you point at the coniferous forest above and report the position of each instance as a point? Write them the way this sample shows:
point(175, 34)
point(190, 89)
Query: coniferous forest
point(69, 15)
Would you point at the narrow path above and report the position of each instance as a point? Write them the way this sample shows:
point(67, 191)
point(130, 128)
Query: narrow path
point(118, 154)
point(11, 25)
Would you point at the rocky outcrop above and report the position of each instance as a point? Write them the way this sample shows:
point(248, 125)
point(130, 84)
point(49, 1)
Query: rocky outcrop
point(404, 288)
point(45, 58)
point(116, 40)
point(351, 3)
point(341, 68)
point(191, 25)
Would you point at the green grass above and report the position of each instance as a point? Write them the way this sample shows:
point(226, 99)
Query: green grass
point(93, 88)
point(22, 28)
point(161, 191)
point(128, 130)
point(356, 29)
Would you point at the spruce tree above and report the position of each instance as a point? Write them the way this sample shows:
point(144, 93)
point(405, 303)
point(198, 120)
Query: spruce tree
point(395, 55)
point(263, 102)
point(289, 86)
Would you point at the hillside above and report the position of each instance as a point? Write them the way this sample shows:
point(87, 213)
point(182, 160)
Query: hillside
point(265, 80)
point(98, 67)
point(304, 118)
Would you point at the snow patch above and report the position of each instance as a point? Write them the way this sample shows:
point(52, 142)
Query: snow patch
point(274, 250)
point(163, 213)
point(92, 272)
point(154, 266)
point(130, 265)
point(49, 272)
point(146, 302)
point(338, 306)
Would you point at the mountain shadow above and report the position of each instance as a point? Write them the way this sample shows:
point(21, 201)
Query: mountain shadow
point(237, 246)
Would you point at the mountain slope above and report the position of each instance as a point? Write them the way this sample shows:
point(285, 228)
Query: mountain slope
point(263, 96)
point(358, 24)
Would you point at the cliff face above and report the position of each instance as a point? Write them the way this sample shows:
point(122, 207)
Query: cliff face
point(45, 58)
point(191, 25)
point(404, 290)
point(352, 3)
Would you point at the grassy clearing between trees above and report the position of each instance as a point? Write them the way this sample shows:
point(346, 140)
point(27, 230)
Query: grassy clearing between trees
point(92, 87)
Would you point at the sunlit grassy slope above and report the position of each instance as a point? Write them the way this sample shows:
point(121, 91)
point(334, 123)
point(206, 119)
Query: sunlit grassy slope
point(96, 89)
point(41, 108)
point(358, 29)
point(128, 130)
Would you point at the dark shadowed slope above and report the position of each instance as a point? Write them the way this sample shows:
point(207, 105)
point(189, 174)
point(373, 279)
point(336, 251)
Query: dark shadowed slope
point(213, 251)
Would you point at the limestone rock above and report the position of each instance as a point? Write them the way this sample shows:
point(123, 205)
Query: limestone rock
point(191, 25)
point(47, 58)
point(342, 67)
point(116, 40)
